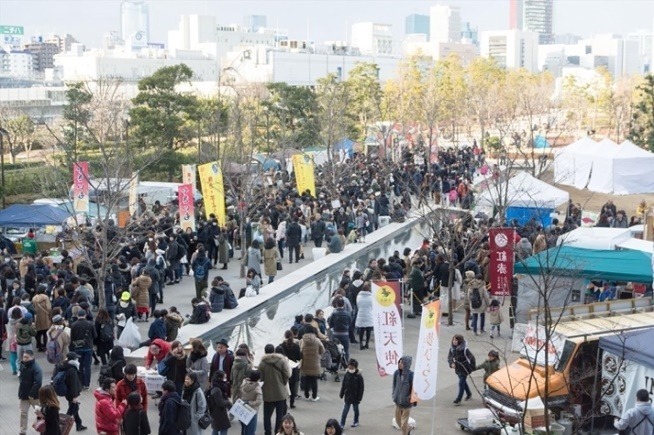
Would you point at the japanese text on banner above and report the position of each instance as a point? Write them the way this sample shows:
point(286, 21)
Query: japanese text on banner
point(387, 325)
point(213, 191)
point(502, 242)
point(426, 367)
point(81, 187)
point(186, 206)
point(188, 176)
point(304, 173)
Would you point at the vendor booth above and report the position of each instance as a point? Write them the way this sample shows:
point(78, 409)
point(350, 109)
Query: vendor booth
point(32, 215)
point(525, 197)
point(569, 270)
point(594, 238)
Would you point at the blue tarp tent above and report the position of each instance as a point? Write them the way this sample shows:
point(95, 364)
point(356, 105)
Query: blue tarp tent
point(346, 145)
point(32, 215)
point(609, 265)
point(524, 214)
point(540, 142)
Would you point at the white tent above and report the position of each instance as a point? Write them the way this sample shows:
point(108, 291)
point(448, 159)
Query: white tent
point(523, 190)
point(594, 238)
point(605, 167)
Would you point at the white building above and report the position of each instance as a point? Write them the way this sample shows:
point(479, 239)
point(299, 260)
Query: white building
point(135, 23)
point(511, 48)
point(16, 64)
point(444, 24)
point(466, 52)
point(372, 38)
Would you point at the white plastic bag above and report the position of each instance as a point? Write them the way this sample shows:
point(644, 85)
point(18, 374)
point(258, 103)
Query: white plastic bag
point(130, 337)
point(250, 292)
point(412, 423)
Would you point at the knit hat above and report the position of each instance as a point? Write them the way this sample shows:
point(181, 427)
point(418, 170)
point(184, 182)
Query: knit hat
point(125, 296)
point(57, 319)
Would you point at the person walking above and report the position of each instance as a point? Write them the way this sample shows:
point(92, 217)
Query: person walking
point(194, 395)
point(30, 380)
point(253, 258)
point(43, 307)
point(201, 265)
point(311, 349)
point(108, 413)
point(252, 395)
point(364, 320)
point(197, 363)
point(271, 256)
point(351, 391)
point(495, 317)
point(639, 419)
point(82, 336)
point(60, 335)
point(402, 389)
point(293, 239)
point(104, 330)
point(73, 381)
point(49, 411)
point(219, 403)
point(291, 346)
point(240, 370)
point(168, 409)
point(339, 322)
point(275, 372)
point(479, 300)
point(463, 362)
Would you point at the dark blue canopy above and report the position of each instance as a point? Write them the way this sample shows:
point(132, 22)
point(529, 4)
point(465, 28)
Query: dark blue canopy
point(32, 215)
point(631, 346)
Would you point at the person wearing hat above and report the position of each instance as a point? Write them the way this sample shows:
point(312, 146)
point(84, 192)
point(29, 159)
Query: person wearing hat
point(125, 309)
point(223, 359)
point(82, 336)
point(61, 334)
point(73, 386)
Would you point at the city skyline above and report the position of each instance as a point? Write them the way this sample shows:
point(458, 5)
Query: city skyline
point(316, 21)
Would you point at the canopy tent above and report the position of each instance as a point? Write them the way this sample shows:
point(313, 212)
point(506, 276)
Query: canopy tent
point(632, 346)
point(346, 145)
point(610, 265)
point(523, 190)
point(32, 215)
point(605, 167)
point(594, 238)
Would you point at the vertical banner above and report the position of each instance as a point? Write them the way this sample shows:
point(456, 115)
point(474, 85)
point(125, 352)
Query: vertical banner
point(304, 174)
point(213, 191)
point(134, 194)
point(502, 243)
point(386, 299)
point(426, 362)
point(186, 207)
point(81, 187)
point(188, 176)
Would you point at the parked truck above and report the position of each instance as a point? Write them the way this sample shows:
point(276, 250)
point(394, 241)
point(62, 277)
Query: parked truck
point(566, 359)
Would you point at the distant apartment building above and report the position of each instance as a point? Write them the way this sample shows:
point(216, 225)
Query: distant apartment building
point(372, 38)
point(63, 42)
point(16, 64)
point(253, 23)
point(416, 23)
point(135, 23)
point(533, 15)
point(43, 53)
point(511, 48)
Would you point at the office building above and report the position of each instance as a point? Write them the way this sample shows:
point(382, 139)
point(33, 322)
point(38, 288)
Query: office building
point(511, 48)
point(42, 53)
point(537, 16)
point(253, 23)
point(372, 38)
point(515, 14)
point(135, 25)
point(416, 23)
point(469, 34)
point(444, 24)
point(16, 64)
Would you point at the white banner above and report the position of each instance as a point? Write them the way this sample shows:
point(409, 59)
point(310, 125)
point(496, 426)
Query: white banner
point(387, 327)
point(426, 366)
point(134, 194)
point(620, 381)
point(588, 218)
point(535, 345)
point(188, 176)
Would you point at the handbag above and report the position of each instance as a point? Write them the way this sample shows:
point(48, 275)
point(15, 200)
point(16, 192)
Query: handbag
point(279, 264)
point(205, 421)
point(39, 425)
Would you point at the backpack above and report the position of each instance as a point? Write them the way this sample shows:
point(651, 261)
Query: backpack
point(475, 298)
point(200, 271)
point(53, 349)
point(183, 420)
point(59, 383)
point(106, 333)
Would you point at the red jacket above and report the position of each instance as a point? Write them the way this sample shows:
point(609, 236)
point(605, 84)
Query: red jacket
point(107, 415)
point(123, 389)
point(165, 348)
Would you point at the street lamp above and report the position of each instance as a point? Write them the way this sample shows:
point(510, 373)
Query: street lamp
point(3, 133)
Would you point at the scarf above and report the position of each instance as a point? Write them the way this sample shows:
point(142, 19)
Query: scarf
point(190, 391)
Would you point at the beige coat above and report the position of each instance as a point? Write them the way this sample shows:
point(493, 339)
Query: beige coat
point(270, 261)
point(311, 349)
point(42, 307)
point(140, 290)
point(485, 298)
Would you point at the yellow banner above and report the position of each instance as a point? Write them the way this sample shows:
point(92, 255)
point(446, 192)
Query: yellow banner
point(213, 191)
point(304, 174)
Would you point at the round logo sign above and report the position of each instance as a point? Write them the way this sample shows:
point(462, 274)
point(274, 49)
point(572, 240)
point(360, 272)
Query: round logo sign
point(501, 240)
point(385, 296)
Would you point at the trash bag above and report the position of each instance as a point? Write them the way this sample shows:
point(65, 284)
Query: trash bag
point(130, 337)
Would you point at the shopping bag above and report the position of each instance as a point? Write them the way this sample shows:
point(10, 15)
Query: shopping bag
point(250, 292)
point(130, 337)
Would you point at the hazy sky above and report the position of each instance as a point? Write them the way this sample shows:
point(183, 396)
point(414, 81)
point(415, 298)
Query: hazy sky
point(316, 20)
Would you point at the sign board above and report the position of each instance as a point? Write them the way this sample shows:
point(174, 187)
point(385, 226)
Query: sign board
point(242, 412)
point(536, 345)
point(12, 30)
point(621, 379)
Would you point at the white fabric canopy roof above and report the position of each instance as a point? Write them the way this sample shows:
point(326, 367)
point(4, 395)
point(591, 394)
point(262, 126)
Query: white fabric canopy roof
point(523, 190)
point(605, 167)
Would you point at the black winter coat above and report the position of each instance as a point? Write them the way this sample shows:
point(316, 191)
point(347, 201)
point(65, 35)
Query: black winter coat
point(31, 378)
point(51, 417)
point(217, 299)
point(293, 235)
point(352, 387)
point(135, 422)
point(463, 360)
point(73, 381)
point(218, 405)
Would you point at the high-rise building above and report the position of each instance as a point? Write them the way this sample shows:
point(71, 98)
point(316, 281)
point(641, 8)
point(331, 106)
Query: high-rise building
point(469, 34)
point(42, 52)
point(63, 42)
point(135, 23)
point(511, 48)
point(372, 38)
point(255, 22)
point(416, 23)
point(534, 15)
point(444, 24)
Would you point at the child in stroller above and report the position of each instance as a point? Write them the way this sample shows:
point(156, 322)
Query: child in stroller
point(333, 359)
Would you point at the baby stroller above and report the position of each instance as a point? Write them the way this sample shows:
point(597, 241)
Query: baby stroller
point(332, 359)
